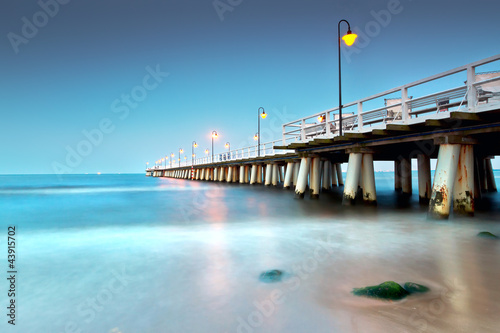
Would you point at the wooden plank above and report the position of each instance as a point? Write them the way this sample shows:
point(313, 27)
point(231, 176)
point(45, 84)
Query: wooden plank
point(380, 132)
point(465, 115)
point(357, 135)
point(398, 127)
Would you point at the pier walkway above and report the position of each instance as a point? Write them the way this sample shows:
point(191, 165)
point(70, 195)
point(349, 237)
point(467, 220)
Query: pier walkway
point(453, 116)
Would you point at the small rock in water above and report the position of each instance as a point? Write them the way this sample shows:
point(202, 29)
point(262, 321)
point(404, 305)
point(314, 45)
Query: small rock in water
point(388, 290)
point(415, 288)
point(487, 234)
point(274, 275)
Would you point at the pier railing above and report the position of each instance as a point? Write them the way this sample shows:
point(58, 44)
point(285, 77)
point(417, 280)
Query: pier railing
point(399, 106)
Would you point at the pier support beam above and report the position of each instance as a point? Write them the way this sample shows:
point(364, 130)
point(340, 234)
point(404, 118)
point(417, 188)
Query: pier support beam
point(253, 174)
point(275, 176)
point(296, 168)
point(352, 179)
point(406, 175)
point(424, 178)
point(444, 180)
point(245, 177)
point(490, 177)
point(259, 173)
point(463, 191)
point(216, 174)
point(269, 174)
point(229, 174)
point(338, 166)
point(333, 169)
point(242, 174)
point(222, 174)
point(300, 189)
point(288, 175)
point(397, 176)
point(315, 177)
point(326, 176)
point(368, 180)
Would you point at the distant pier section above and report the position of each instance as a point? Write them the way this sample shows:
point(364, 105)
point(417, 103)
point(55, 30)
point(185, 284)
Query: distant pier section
point(452, 116)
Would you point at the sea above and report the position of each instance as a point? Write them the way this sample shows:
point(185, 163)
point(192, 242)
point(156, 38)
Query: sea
point(127, 253)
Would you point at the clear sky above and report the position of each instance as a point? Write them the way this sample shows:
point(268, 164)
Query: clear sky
point(143, 78)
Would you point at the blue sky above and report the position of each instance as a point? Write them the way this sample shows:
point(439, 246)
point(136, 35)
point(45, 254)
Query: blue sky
point(194, 68)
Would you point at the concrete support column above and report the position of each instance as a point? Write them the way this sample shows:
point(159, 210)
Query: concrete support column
point(463, 190)
point(216, 174)
point(300, 189)
point(444, 180)
point(296, 168)
point(236, 174)
point(269, 174)
point(424, 178)
point(243, 171)
point(397, 176)
point(333, 171)
point(327, 167)
point(490, 177)
point(202, 176)
point(245, 177)
point(229, 174)
point(222, 174)
point(338, 166)
point(259, 173)
point(406, 176)
point(315, 177)
point(352, 178)
point(253, 174)
point(275, 176)
point(288, 175)
point(368, 180)
point(280, 173)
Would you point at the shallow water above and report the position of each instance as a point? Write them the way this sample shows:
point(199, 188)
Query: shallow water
point(128, 253)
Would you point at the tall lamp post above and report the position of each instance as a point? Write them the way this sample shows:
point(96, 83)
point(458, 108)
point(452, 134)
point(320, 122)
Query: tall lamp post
point(193, 146)
point(214, 135)
point(180, 152)
point(228, 146)
point(349, 39)
point(259, 115)
point(171, 155)
point(206, 153)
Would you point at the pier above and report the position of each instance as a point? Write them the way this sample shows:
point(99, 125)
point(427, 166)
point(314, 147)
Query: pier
point(423, 120)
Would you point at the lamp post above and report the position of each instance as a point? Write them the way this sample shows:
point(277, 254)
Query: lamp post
point(206, 153)
point(166, 159)
point(263, 115)
point(180, 152)
point(214, 135)
point(147, 164)
point(349, 39)
point(185, 160)
point(171, 155)
point(193, 146)
point(228, 146)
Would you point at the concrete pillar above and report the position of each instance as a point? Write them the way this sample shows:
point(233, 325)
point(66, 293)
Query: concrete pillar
point(222, 174)
point(339, 174)
point(406, 175)
point(243, 171)
point(229, 174)
point(444, 181)
point(315, 177)
point(397, 175)
point(352, 178)
point(463, 190)
point(280, 173)
point(368, 183)
point(253, 174)
point(424, 178)
point(236, 174)
point(245, 177)
point(296, 168)
point(300, 189)
point(333, 170)
point(269, 174)
point(216, 174)
point(288, 175)
point(326, 176)
point(202, 174)
point(490, 176)
point(259, 173)
point(275, 174)
point(212, 172)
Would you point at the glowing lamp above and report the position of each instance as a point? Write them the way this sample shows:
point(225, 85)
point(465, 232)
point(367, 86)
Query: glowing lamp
point(349, 38)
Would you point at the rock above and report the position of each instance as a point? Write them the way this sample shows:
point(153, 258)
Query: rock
point(274, 275)
point(388, 290)
point(415, 288)
point(487, 234)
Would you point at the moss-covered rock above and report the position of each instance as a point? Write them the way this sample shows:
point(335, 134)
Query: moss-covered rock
point(274, 275)
point(388, 290)
point(487, 234)
point(415, 288)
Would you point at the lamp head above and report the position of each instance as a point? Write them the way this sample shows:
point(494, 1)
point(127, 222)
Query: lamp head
point(214, 134)
point(321, 118)
point(349, 38)
point(263, 114)
point(256, 137)
point(195, 145)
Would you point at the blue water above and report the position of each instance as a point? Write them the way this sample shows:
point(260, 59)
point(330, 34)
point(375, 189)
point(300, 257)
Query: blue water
point(128, 253)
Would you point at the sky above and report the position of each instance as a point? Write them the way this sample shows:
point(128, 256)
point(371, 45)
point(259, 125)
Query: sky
point(106, 86)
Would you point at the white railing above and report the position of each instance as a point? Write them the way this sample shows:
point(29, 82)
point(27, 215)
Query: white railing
point(465, 97)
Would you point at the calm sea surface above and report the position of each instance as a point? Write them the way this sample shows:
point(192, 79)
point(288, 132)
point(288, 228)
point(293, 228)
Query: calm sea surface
point(129, 253)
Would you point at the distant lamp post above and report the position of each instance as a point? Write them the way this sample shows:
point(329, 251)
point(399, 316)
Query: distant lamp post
point(214, 136)
point(259, 115)
point(166, 159)
point(185, 160)
point(193, 146)
point(349, 39)
point(206, 153)
point(162, 159)
point(256, 137)
point(180, 152)
point(147, 164)
point(171, 155)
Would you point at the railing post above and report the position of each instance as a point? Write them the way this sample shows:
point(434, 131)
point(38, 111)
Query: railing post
point(283, 136)
point(360, 116)
point(404, 107)
point(472, 92)
point(303, 130)
point(327, 124)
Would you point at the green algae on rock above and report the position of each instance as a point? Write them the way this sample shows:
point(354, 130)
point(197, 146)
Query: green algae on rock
point(388, 290)
point(487, 234)
point(415, 288)
point(274, 275)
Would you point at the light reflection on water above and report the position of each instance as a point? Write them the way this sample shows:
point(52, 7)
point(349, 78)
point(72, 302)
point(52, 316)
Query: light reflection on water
point(193, 258)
